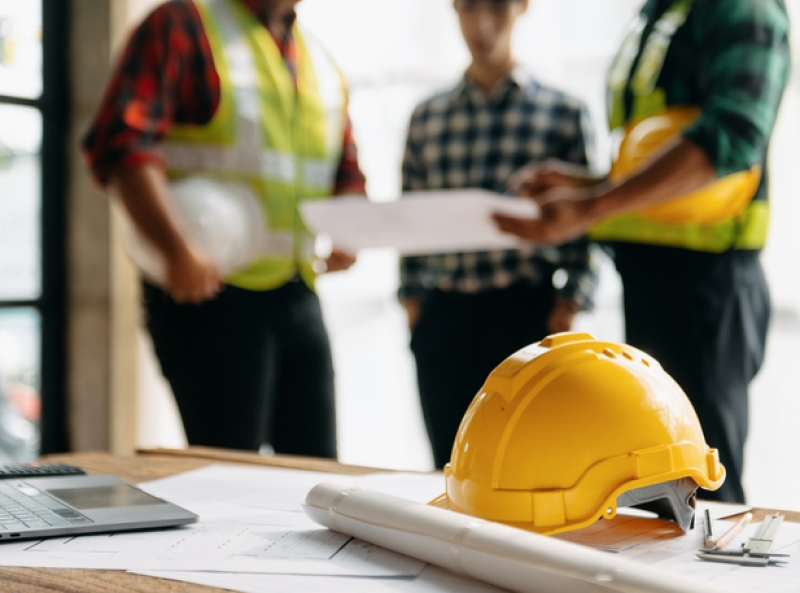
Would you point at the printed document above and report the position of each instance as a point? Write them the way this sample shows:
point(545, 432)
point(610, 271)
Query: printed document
point(425, 222)
point(230, 547)
point(266, 533)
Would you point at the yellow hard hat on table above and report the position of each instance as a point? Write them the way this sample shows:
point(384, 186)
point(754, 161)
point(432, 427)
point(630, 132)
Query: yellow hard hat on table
point(567, 429)
point(717, 202)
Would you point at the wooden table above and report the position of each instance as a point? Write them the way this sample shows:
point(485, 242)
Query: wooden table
point(151, 465)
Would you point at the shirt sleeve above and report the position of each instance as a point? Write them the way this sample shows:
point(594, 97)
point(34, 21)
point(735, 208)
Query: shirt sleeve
point(581, 274)
point(349, 178)
point(164, 75)
point(742, 79)
point(412, 269)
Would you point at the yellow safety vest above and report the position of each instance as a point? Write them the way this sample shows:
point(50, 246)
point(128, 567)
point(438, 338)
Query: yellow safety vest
point(283, 142)
point(713, 219)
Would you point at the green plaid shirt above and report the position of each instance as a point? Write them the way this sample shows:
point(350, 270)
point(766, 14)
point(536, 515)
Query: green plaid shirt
point(731, 59)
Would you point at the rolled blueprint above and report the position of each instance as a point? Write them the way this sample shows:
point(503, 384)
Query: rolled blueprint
point(497, 554)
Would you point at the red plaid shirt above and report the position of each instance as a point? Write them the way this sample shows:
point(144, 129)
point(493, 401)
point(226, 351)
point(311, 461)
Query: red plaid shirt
point(166, 76)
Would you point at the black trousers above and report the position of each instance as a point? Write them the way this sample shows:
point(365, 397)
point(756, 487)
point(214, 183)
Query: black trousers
point(704, 317)
point(459, 339)
point(248, 368)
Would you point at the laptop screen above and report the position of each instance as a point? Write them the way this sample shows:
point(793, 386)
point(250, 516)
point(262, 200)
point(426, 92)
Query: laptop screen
point(100, 497)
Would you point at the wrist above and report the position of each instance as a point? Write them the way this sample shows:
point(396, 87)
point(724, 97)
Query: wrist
point(176, 249)
point(599, 204)
point(578, 175)
point(590, 180)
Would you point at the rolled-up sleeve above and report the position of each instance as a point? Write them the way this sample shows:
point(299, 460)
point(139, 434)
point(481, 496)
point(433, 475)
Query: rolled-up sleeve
point(743, 77)
point(349, 177)
point(164, 76)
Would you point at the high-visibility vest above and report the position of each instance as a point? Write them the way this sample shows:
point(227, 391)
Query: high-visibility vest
point(712, 219)
point(283, 141)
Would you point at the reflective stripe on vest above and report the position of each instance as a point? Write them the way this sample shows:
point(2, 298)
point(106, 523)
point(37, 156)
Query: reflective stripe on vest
point(284, 142)
point(748, 230)
point(647, 98)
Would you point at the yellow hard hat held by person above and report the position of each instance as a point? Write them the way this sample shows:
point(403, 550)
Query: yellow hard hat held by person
point(568, 429)
point(717, 202)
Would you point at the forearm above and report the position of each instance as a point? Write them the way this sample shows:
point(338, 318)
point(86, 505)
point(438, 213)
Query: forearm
point(144, 191)
point(580, 175)
point(682, 168)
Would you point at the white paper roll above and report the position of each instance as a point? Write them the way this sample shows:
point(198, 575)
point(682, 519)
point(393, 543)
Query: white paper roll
point(503, 556)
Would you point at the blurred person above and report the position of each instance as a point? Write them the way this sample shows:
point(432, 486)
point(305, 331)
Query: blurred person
point(233, 90)
point(695, 295)
point(469, 311)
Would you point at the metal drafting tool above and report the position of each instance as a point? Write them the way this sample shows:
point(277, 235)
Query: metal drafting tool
point(708, 535)
point(761, 542)
point(741, 558)
point(755, 551)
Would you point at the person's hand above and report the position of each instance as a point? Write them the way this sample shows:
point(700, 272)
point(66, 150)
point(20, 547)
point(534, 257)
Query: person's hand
point(338, 261)
point(191, 276)
point(413, 307)
point(566, 214)
point(536, 178)
point(562, 316)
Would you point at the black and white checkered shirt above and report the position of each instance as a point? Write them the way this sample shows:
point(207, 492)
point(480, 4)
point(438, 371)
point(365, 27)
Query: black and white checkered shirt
point(463, 139)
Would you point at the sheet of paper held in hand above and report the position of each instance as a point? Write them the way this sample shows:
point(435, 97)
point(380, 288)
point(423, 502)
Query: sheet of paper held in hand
point(420, 223)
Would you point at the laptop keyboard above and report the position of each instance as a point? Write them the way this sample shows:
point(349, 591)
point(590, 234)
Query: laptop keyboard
point(44, 470)
point(24, 507)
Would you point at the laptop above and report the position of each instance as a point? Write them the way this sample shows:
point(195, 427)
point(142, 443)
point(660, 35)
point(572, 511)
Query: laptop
point(34, 508)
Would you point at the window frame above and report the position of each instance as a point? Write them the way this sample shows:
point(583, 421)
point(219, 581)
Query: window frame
point(53, 104)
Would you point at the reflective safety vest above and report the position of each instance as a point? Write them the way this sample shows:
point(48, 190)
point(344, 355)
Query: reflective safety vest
point(742, 223)
point(283, 141)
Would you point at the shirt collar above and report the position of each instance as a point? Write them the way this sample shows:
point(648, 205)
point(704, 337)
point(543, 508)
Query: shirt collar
point(260, 12)
point(518, 77)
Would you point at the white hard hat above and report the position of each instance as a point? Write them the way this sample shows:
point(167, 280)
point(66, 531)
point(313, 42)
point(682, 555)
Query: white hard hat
point(223, 218)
